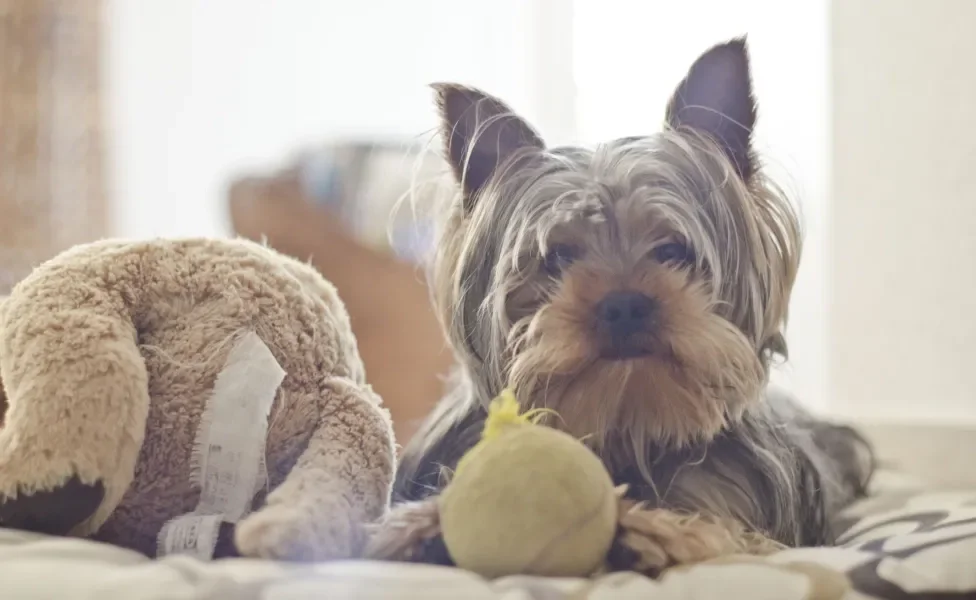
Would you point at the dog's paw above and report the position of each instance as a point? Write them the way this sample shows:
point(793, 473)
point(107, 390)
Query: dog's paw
point(55, 511)
point(653, 540)
point(285, 532)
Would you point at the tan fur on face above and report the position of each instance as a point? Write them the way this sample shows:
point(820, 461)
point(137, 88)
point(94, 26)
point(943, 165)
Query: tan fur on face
point(702, 370)
point(721, 318)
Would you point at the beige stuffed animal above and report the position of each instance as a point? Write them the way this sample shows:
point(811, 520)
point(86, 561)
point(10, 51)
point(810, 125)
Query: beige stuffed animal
point(117, 359)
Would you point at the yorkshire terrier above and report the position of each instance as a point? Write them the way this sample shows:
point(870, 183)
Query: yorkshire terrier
point(640, 289)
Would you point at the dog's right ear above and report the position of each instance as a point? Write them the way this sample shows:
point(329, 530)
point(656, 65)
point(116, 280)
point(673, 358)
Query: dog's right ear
point(480, 133)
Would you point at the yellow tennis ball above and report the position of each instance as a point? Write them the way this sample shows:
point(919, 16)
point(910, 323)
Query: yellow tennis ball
point(531, 500)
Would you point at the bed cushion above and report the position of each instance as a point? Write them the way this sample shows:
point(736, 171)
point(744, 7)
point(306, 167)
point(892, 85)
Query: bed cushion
point(900, 545)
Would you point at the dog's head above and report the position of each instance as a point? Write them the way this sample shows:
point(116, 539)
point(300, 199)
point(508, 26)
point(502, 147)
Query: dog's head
point(640, 288)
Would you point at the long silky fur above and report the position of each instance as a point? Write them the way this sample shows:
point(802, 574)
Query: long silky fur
point(738, 450)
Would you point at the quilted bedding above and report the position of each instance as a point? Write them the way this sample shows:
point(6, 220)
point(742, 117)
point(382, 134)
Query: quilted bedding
point(899, 545)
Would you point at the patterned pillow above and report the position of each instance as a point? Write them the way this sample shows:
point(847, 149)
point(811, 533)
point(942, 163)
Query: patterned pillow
point(913, 545)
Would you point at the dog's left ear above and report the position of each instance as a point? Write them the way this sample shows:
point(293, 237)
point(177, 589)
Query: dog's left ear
point(715, 98)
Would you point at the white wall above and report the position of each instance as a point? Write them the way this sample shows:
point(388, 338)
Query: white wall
point(630, 56)
point(903, 285)
point(200, 89)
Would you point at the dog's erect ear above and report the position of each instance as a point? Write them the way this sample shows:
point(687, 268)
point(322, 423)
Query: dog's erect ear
point(715, 98)
point(480, 133)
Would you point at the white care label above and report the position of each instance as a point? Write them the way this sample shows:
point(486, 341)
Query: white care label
point(190, 534)
point(228, 455)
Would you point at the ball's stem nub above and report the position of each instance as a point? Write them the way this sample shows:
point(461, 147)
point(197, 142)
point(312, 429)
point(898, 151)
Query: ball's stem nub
point(504, 411)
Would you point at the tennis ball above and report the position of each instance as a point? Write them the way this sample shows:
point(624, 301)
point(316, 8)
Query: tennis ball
point(531, 500)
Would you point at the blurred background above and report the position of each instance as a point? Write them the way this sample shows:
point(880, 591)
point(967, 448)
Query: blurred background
point(305, 121)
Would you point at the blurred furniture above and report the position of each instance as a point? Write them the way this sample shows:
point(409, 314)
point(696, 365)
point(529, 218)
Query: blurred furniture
point(52, 182)
point(336, 207)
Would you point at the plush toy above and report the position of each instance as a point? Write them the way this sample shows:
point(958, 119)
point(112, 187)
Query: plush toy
point(161, 393)
point(532, 500)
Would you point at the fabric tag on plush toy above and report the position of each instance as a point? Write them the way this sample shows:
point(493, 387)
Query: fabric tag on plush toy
point(190, 534)
point(228, 457)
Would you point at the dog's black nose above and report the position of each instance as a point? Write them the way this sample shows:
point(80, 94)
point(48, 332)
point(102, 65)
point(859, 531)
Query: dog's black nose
point(624, 313)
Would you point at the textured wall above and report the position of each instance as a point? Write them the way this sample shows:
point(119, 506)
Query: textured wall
point(51, 138)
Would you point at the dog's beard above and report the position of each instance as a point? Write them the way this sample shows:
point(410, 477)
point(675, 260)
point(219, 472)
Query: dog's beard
point(698, 375)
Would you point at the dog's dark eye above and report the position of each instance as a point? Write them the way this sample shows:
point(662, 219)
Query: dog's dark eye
point(674, 253)
point(559, 257)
